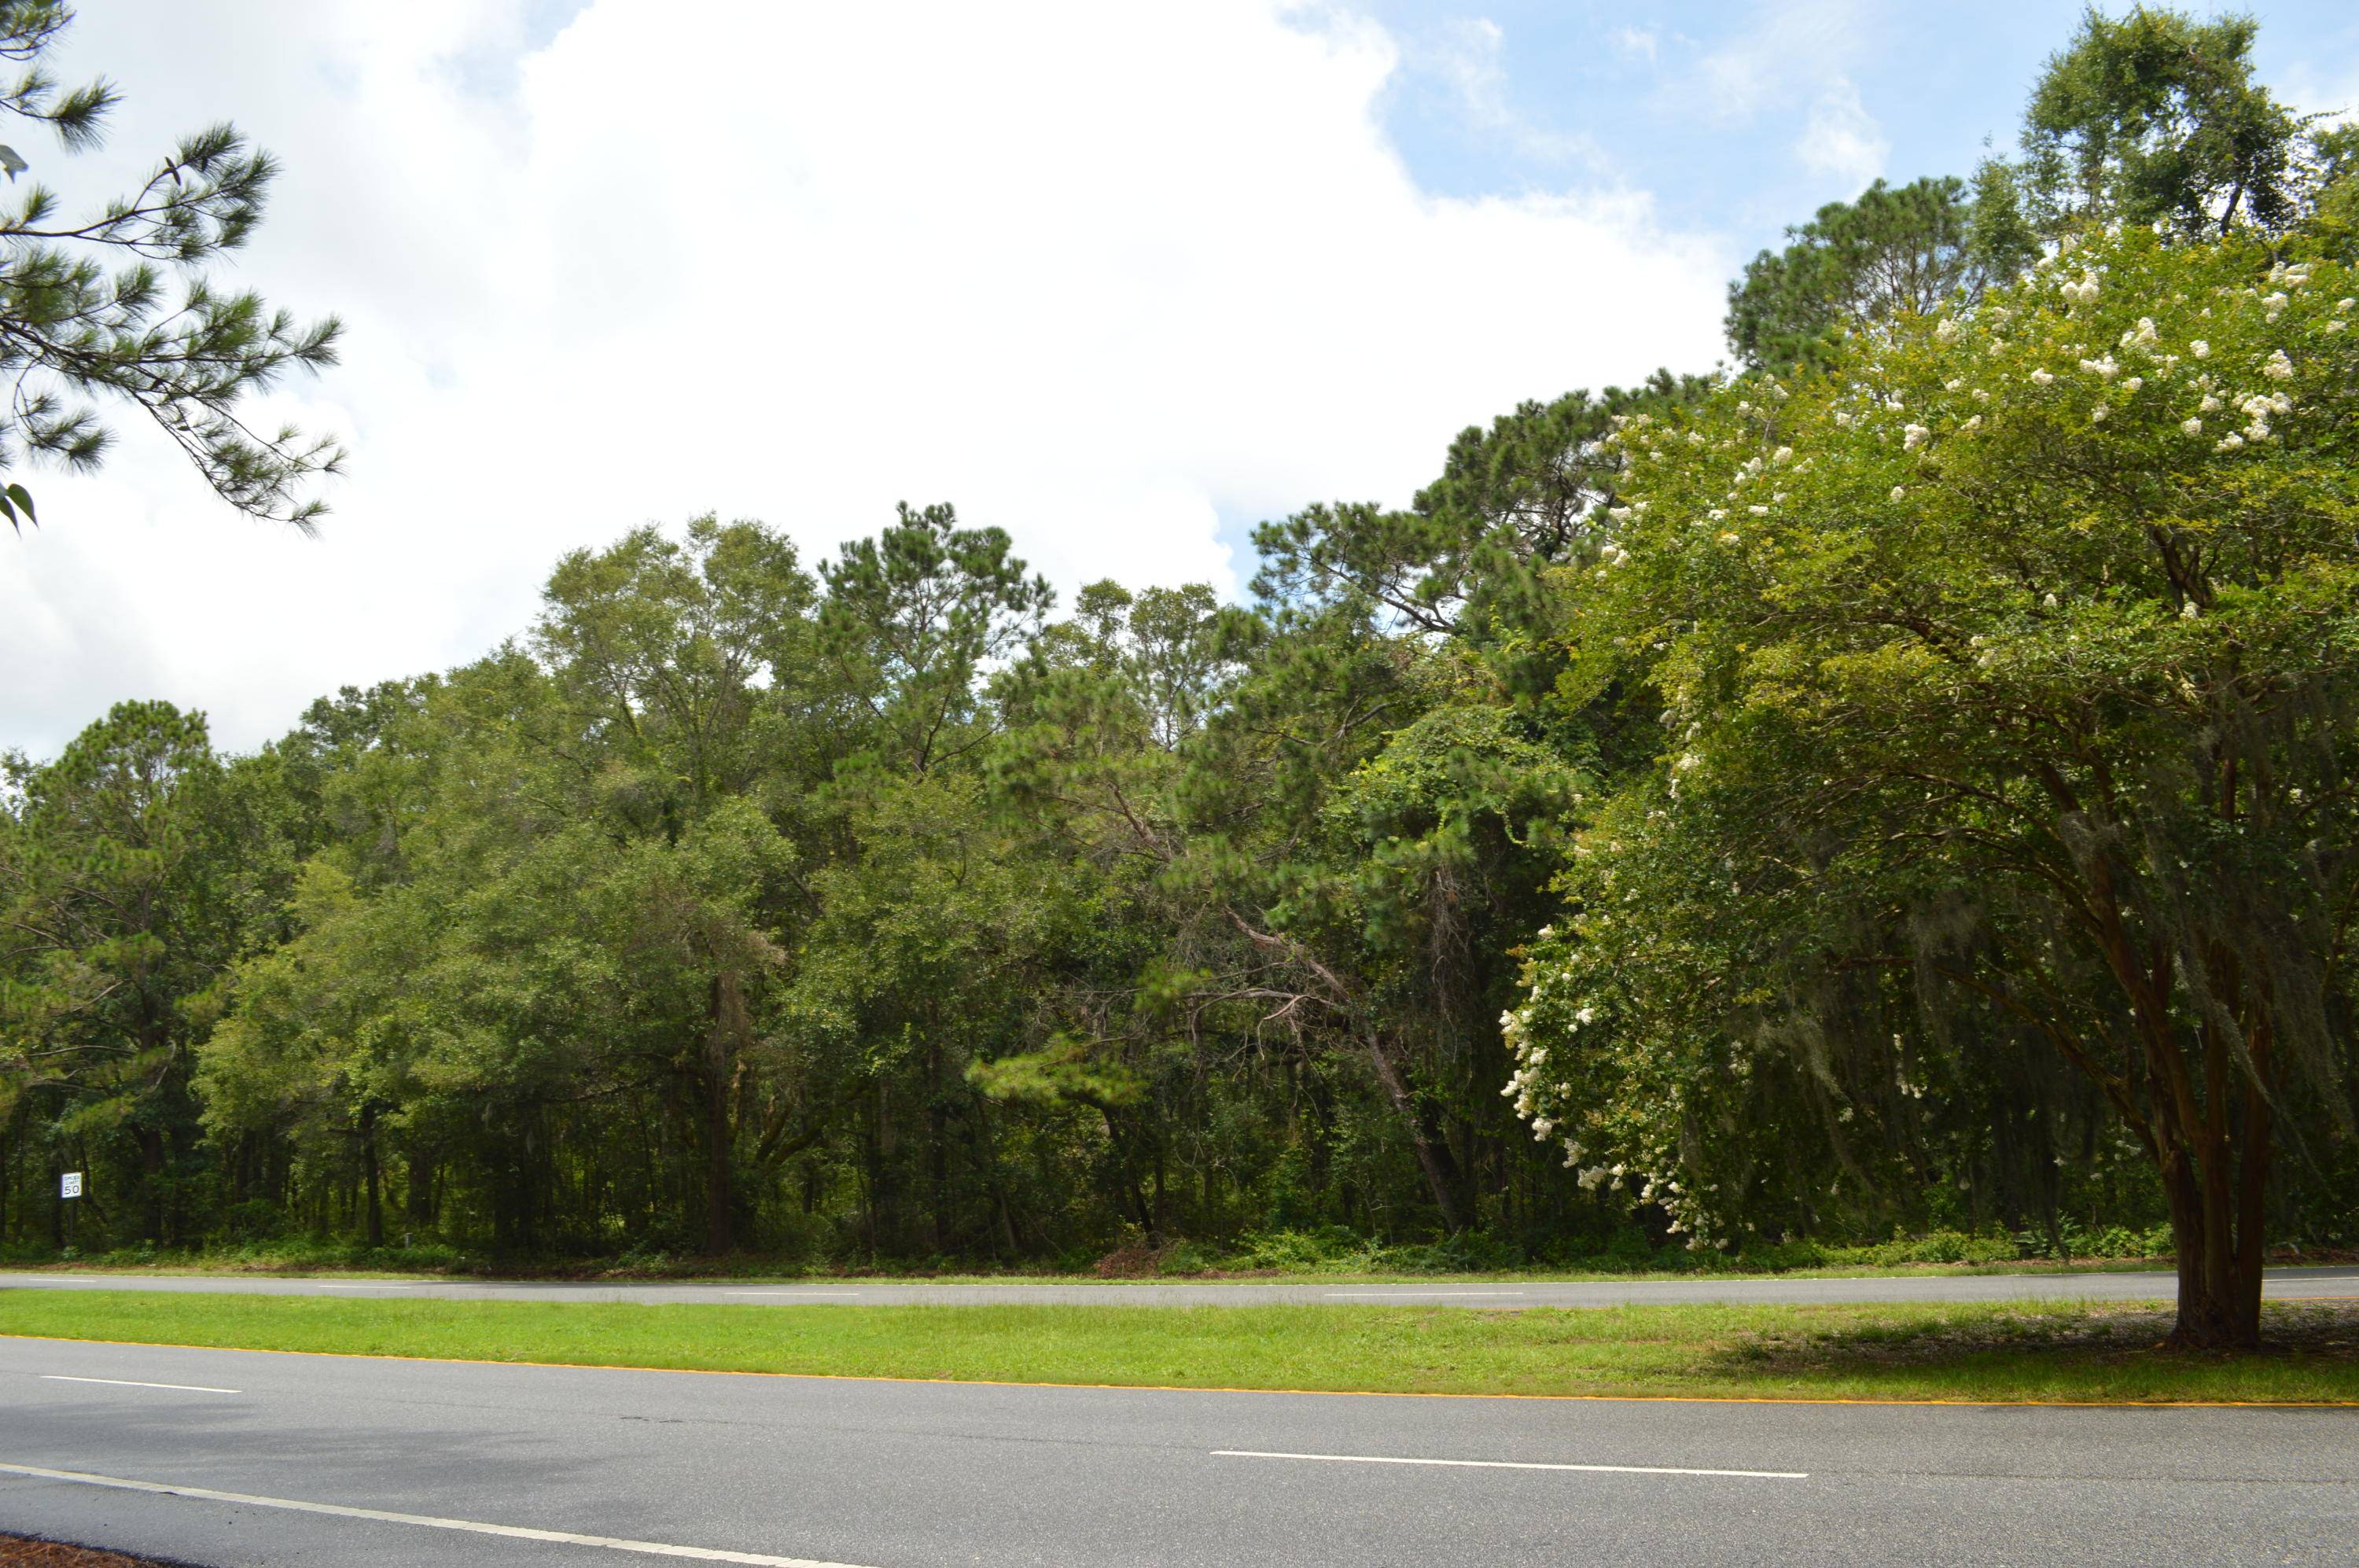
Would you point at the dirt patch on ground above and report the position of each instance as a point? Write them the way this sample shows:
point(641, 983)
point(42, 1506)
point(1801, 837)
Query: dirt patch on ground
point(1136, 1262)
point(2319, 1331)
point(19, 1552)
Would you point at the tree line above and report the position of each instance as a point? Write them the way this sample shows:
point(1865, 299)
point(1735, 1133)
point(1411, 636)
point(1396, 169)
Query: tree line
point(1904, 780)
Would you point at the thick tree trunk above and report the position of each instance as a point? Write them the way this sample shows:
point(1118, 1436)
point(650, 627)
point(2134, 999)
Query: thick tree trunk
point(2207, 1122)
point(2219, 1286)
point(2216, 1223)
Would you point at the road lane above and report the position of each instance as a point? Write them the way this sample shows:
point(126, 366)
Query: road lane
point(2334, 1284)
point(882, 1475)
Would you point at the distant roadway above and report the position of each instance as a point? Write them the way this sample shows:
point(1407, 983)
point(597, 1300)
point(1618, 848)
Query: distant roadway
point(2341, 1283)
point(225, 1457)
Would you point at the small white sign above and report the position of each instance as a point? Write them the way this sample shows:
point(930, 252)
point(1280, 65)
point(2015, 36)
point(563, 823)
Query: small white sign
point(70, 1184)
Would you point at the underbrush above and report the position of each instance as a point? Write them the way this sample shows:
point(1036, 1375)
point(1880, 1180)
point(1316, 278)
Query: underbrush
point(1323, 1251)
point(1335, 1250)
point(292, 1257)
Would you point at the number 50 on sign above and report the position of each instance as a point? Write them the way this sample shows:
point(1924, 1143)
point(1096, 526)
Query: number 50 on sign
point(70, 1184)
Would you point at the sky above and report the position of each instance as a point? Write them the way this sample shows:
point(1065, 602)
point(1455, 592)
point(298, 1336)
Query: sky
point(1122, 276)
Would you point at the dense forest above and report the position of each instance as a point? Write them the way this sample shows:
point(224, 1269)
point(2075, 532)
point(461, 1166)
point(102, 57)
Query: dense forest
point(1900, 782)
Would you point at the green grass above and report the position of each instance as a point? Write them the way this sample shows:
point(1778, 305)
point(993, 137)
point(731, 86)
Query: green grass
point(1917, 1351)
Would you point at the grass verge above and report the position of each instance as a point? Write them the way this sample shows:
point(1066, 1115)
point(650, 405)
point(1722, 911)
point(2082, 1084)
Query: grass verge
point(753, 1273)
point(1983, 1351)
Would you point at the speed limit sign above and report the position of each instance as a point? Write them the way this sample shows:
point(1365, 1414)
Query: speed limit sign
point(70, 1184)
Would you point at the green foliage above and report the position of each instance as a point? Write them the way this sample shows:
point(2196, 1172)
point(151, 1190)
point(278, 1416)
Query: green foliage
point(910, 619)
point(2008, 675)
point(2152, 118)
point(119, 880)
point(1906, 796)
point(1909, 249)
point(2155, 118)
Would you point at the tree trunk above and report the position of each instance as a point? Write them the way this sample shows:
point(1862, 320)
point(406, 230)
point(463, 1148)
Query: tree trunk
point(151, 1166)
point(2216, 1224)
point(1125, 1167)
point(727, 1028)
point(371, 1181)
point(418, 1199)
point(937, 1163)
point(1433, 1156)
point(2208, 1127)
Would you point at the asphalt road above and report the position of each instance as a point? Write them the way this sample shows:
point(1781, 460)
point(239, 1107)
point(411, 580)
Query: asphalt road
point(2281, 1283)
point(315, 1452)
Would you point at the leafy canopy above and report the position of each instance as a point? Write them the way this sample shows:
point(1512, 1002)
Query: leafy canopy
point(2018, 655)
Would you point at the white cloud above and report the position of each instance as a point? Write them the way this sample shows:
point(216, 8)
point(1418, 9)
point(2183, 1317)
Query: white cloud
point(1100, 274)
point(2328, 87)
point(1639, 41)
point(1470, 56)
point(1799, 53)
point(1793, 50)
point(1842, 138)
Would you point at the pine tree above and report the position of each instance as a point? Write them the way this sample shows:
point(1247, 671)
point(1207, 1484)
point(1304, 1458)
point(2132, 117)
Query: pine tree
point(87, 313)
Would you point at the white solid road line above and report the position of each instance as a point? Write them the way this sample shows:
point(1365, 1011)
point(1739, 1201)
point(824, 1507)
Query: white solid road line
point(1516, 1465)
point(807, 1295)
point(339, 1285)
point(429, 1522)
point(128, 1383)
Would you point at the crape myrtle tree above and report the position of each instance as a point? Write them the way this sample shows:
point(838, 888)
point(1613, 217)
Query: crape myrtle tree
point(2008, 673)
point(112, 304)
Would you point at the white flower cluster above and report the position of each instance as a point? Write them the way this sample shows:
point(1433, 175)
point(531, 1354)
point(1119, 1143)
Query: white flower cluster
point(2257, 410)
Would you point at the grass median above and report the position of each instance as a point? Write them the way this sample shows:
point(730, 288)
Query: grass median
point(1982, 1351)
